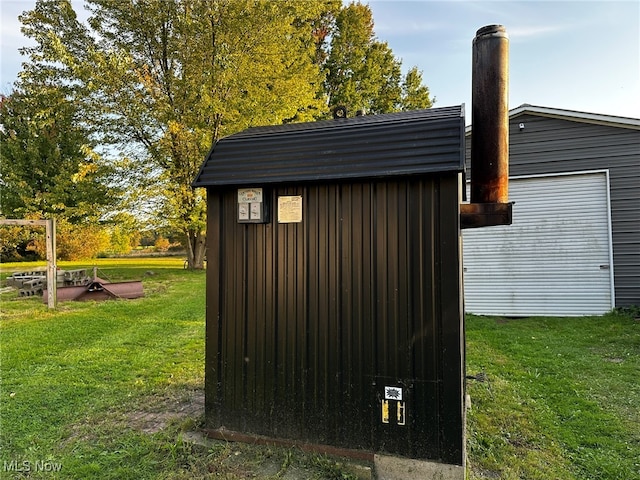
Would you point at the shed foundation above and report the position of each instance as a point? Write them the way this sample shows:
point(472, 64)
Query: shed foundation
point(398, 468)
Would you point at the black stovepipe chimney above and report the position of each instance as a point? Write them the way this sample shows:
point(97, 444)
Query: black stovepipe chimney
point(490, 122)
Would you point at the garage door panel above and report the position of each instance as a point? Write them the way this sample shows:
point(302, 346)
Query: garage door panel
point(555, 257)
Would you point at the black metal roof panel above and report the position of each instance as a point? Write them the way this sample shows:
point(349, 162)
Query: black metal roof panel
point(393, 144)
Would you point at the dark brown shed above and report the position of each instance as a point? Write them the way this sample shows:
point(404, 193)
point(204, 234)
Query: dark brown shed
point(334, 297)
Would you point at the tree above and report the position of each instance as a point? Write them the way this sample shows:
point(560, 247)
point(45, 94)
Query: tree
point(15, 242)
point(157, 82)
point(170, 77)
point(75, 242)
point(415, 95)
point(124, 232)
point(48, 166)
point(362, 73)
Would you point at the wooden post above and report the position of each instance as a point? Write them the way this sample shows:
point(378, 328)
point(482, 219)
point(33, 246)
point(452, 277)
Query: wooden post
point(50, 231)
point(52, 271)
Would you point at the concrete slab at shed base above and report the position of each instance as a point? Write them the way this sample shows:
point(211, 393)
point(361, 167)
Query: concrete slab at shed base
point(396, 468)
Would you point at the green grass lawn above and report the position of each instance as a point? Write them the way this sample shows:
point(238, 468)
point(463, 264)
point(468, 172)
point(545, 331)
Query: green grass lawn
point(70, 376)
point(559, 397)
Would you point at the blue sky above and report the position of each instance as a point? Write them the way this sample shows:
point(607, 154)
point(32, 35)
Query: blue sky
point(577, 55)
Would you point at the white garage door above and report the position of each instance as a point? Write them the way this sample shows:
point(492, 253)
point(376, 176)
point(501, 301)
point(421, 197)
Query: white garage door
point(556, 257)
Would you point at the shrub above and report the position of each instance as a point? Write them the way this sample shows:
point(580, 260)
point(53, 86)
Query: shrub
point(16, 243)
point(120, 241)
point(162, 244)
point(75, 242)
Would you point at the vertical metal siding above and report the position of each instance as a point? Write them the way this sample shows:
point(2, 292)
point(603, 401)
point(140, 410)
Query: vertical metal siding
point(549, 145)
point(313, 319)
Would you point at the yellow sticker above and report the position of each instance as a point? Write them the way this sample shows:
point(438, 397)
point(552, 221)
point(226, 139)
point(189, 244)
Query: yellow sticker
point(385, 411)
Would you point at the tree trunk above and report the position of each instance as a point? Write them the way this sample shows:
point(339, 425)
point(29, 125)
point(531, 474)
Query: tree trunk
point(196, 243)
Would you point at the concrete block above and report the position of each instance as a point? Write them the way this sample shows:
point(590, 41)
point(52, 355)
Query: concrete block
point(398, 468)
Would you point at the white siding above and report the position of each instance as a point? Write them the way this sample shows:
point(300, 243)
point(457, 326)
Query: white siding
point(555, 259)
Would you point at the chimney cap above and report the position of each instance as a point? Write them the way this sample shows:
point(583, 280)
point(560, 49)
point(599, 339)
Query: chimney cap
point(491, 31)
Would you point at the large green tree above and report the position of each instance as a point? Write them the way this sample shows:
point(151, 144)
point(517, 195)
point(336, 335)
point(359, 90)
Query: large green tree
point(48, 166)
point(158, 81)
point(162, 80)
point(362, 73)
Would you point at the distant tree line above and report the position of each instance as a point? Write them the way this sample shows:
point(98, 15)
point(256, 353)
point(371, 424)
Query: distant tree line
point(110, 119)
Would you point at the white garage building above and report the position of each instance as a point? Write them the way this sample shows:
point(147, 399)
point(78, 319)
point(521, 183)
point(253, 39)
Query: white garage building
point(574, 246)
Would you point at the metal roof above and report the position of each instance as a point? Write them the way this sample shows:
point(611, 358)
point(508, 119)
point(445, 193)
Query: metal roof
point(573, 115)
point(393, 144)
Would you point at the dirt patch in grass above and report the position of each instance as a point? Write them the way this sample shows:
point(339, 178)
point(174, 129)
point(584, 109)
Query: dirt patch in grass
point(158, 412)
point(614, 359)
point(482, 473)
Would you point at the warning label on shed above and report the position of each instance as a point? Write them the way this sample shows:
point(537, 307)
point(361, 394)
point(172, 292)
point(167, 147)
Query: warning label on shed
point(392, 393)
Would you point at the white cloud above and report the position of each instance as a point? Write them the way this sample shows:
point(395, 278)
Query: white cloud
point(529, 31)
